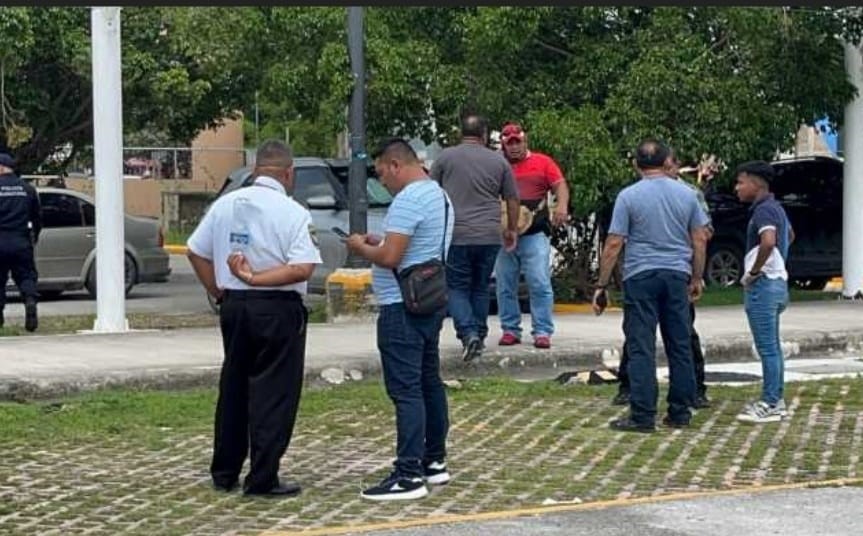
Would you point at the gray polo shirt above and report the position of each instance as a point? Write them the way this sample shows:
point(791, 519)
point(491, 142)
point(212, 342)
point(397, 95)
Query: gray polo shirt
point(475, 178)
point(656, 216)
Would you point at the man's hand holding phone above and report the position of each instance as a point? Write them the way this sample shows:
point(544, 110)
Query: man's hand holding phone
point(600, 300)
point(370, 239)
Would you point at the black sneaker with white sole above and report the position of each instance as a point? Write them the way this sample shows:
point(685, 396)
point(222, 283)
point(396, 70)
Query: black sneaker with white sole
point(436, 473)
point(397, 488)
point(472, 349)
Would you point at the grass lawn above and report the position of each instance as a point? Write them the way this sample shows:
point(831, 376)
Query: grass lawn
point(177, 237)
point(137, 462)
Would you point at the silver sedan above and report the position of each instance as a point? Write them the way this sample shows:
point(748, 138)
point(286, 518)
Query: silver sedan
point(66, 251)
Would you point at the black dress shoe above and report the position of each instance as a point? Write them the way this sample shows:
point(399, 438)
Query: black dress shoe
point(701, 402)
point(669, 422)
point(31, 319)
point(283, 489)
point(621, 399)
point(229, 487)
point(626, 424)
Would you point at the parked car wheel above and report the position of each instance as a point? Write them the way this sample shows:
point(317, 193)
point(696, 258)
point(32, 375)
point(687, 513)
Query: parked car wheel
point(724, 265)
point(131, 271)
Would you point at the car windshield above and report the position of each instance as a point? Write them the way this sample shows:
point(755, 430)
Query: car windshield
point(311, 182)
point(308, 182)
point(377, 193)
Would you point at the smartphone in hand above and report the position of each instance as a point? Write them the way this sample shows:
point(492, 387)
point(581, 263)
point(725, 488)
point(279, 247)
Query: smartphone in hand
point(340, 232)
point(602, 301)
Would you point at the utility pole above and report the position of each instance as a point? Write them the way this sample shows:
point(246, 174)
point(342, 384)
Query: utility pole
point(108, 156)
point(358, 204)
point(852, 191)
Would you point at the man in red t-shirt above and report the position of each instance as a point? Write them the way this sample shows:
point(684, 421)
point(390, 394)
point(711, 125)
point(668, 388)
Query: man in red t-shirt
point(536, 175)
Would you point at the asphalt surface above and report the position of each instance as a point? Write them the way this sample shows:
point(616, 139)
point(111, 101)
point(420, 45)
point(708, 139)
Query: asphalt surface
point(182, 293)
point(810, 512)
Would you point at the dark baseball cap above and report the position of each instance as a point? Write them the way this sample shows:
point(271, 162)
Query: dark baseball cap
point(512, 131)
point(7, 160)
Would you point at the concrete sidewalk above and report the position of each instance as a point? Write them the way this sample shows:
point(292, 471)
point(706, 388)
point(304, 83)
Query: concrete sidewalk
point(42, 366)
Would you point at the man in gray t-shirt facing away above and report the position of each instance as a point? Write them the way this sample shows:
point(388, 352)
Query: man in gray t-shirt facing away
point(665, 231)
point(476, 179)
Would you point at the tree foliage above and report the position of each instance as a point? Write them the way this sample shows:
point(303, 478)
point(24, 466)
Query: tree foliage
point(184, 69)
point(587, 82)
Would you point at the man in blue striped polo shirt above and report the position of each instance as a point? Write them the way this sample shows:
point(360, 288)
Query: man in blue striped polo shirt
point(418, 227)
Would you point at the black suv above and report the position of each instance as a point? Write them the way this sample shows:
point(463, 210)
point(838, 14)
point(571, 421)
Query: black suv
point(810, 190)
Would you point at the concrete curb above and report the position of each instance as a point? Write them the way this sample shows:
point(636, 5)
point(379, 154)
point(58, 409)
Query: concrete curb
point(493, 362)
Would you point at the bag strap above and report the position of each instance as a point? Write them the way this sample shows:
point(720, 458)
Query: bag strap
point(443, 240)
point(445, 222)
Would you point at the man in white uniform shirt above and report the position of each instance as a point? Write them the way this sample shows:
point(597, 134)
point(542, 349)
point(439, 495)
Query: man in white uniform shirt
point(254, 251)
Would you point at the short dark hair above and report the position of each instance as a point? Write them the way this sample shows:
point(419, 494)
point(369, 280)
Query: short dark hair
point(397, 148)
point(651, 153)
point(758, 168)
point(474, 125)
point(274, 153)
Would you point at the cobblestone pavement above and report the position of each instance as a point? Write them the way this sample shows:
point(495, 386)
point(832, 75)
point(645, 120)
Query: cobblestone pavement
point(505, 452)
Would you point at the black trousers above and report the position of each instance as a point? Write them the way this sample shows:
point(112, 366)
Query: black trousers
point(264, 336)
point(697, 360)
point(16, 256)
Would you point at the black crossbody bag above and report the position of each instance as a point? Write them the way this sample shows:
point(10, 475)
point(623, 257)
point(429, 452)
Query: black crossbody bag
point(423, 285)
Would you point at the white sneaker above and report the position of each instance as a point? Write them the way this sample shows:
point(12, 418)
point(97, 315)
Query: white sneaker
point(436, 473)
point(396, 488)
point(761, 412)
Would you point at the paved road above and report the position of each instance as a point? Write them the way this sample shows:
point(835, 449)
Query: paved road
point(833, 511)
point(181, 294)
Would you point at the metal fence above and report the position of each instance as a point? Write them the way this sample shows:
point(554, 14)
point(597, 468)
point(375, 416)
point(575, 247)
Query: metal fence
point(159, 163)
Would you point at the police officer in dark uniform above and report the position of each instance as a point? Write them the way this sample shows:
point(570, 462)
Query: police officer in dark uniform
point(255, 250)
point(20, 225)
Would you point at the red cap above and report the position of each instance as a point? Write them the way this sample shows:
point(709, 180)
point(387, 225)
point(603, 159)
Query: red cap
point(511, 131)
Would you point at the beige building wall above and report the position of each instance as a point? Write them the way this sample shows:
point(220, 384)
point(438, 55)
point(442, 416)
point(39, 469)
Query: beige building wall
point(215, 154)
point(142, 197)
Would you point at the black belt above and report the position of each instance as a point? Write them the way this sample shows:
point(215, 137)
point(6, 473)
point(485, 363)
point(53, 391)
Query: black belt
point(288, 295)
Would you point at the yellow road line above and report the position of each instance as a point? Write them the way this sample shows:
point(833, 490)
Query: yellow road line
point(583, 308)
point(540, 510)
point(175, 249)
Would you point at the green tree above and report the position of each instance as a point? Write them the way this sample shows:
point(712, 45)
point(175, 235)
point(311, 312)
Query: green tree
point(589, 82)
point(184, 69)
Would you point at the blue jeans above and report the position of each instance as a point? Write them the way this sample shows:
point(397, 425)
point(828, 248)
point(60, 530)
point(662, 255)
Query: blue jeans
point(651, 297)
point(764, 301)
point(531, 258)
point(410, 358)
point(468, 272)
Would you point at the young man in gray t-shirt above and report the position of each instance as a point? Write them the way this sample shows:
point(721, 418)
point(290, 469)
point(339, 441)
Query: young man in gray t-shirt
point(476, 179)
